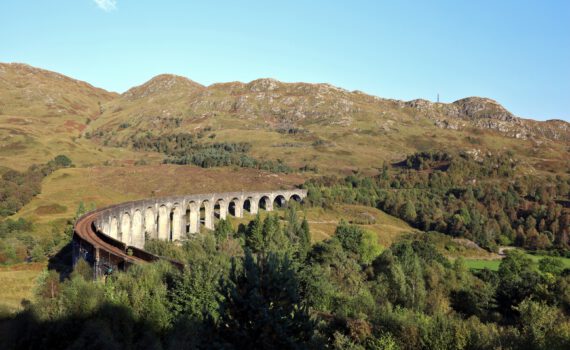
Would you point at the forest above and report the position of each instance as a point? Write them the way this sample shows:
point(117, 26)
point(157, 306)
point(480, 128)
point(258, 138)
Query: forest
point(186, 148)
point(484, 200)
point(265, 286)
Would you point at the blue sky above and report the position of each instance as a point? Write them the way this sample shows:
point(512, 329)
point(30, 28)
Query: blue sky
point(517, 52)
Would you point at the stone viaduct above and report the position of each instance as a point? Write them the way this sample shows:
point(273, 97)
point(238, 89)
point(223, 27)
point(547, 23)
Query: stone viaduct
point(114, 237)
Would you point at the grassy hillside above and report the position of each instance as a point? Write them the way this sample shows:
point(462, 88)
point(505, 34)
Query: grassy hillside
point(43, 114)
point(18, 282)
point(325, 126)
point(319, 128)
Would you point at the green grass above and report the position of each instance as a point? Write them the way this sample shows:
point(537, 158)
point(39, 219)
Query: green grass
point(493, 265)
point(537, 258)
point(479, 264)
point(17, 283)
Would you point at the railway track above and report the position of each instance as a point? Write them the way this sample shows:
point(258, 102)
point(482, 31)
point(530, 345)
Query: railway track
point(100, 246)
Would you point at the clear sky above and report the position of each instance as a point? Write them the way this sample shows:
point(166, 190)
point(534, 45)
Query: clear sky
point(517, 52)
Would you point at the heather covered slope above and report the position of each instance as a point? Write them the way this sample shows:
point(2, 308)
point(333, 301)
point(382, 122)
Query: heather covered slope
point(33, 92)
point(319, 125)
point(43, 114)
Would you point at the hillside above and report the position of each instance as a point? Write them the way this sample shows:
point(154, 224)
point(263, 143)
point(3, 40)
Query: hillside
point(325, 126)
point(43, 113)
point(33, 92)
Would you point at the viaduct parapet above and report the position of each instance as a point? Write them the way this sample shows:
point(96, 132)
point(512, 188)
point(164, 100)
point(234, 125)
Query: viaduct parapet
point(114, 237)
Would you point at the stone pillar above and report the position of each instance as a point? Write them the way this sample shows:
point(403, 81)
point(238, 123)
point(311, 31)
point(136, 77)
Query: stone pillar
point(150, 223)
point(126, 229)
point(254, 205)
point(223, 210)
point(268, 204)
point(177, 226)
point(137, 232)
point(96, 258)
point(194, 219)
point(163, 223)
point(209, 216)
point(238, 208)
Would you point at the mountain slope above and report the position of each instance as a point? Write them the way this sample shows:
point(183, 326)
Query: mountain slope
point(44, 113)
point(325, 126)
point(33, 92)
point(485, 113)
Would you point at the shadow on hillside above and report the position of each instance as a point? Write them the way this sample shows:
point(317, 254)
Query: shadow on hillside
point(109, 327)
point(62, 261)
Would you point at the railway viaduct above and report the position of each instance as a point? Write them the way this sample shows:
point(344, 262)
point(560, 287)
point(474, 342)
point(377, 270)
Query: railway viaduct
point(114, 237)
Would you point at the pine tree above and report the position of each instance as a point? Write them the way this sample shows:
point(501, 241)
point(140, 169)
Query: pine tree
point(292, 226)
point(223, 229)
point(254, 235)
point(304, 238)
point(261, 306)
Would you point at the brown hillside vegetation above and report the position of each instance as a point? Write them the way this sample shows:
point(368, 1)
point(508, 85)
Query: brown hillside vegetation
point(306, 125)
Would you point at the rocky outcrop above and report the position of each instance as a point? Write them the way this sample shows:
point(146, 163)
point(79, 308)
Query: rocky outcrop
point(485, 113)
point(163, 84)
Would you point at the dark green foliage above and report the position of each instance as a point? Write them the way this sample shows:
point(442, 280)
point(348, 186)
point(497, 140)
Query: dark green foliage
point(358, 242)
point(519, 279)
point(265, 290)
point(551, 265)
point(254, 235)
point(304, 238)
point(223, 229)
point(62, 161)
point(19, 244)
point(408, 297)
point(463, 197)
point(185, 148)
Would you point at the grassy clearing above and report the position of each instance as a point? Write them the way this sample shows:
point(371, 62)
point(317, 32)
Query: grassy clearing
point(537, 258)
point(324, 222)
point(17, 283)
point(388, 228)
point(493, 265)
point(480, 264)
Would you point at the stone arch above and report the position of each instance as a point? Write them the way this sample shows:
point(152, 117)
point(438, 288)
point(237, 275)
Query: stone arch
point(187, 220)
point(114, 227)
point(247, 205)
point(163, 221)
point(125, 232)
point(295, 197)
point(279, 201)
point(266, 203)
point(150, 224)
point(137, 234)
point(235, 208)
point(175, 223)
